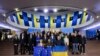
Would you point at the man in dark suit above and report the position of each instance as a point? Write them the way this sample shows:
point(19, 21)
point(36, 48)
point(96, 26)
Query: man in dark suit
point(45, 40)
point(75, 44)
point(52, 39)
point(70, 41)
point(16, 44)
point(59, 41)
point(98, 34)
point(26, 41)
point(32, 41)
point(82, 44)
point(79, 41)
point(22, 43)
point(48, 34)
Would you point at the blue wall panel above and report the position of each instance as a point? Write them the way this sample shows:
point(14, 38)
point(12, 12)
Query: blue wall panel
point(75, 17)
point(24, 15)
point(42, 22)
point(58, 22)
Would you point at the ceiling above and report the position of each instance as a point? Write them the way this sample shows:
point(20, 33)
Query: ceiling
point(7, 6)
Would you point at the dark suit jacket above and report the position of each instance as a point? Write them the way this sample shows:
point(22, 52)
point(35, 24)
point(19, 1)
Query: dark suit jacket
point(32, 40)
point(75, 39)
point(22, 41)
point(59, 42)
point(83, 40)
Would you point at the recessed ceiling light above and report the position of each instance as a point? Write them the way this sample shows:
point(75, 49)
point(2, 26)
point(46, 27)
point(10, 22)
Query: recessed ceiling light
point(45, 10)
point(85, 9)
point(55, 9)
point(35, 9)
point(98, 17)
point(16, 9)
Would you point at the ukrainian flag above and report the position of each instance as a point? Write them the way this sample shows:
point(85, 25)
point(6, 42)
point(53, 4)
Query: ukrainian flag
point(60, 53)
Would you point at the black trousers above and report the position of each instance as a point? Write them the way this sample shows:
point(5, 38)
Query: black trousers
point(26, 48)
point(15, 49)
point(70, 46)
point(82, 48)
point(30, 49)
point(22, 49)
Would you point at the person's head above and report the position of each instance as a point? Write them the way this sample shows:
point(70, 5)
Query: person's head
point(55, 32)
point(41, 41)
point(16, 36)
point(38, 35)
point(79, 33)
point(66, 36)
point(58, 37)
point(74, 34)
point(33, 33)
point(48, 33)
point(52, 34)
point(45, 35)
point(41, 34)
point(62, 34)
point(83, 36)
point(49, 40)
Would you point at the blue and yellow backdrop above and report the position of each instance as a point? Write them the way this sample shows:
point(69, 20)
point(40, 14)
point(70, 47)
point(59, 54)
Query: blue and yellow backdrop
point(48, 21)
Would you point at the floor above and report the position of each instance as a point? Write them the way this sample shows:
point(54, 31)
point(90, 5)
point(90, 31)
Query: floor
point(92, 49)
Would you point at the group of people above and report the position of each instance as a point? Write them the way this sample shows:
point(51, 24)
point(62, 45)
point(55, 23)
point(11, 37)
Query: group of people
point(75, 42)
